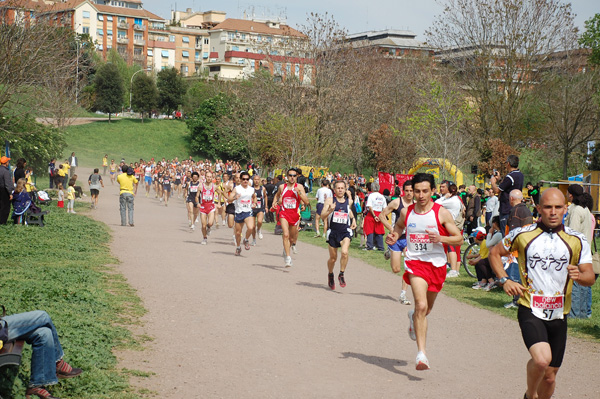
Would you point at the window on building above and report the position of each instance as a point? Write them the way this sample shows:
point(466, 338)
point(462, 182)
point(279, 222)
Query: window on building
point(198, 58)
point(121, 34)
point(243, 36)
point(137, 21)
point(259, 38)
point(86, 14)
point(205, 55)
point(235, 48)
point(164, 53)
point(214, 69)
point(185, 39)
point(172, 38)
point(230, 35)
point(109, 18)
point(99, 47)
point(150, 53)
point(297, 70)
point(122, 19)
point(185, 54)
point(86, 30)
point(138, 36)
point(100, 17)
point(109, 32)
point(137, 51)
point(100, 32)
point(206, 40)
point(184, 69)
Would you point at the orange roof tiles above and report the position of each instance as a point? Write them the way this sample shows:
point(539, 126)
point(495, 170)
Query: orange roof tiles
point(244, 25)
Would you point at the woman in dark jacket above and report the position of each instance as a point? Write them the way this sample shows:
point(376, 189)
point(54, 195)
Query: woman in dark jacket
point(20, 170)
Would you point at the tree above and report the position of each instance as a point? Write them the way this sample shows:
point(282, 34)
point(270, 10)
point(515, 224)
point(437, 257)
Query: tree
point(144, 95)
point(571, 105)
point(438, 124)
point(493, 156)
point(392, 151)
point(495, 48)
point(171, 89)
point(109, 89)
point(591, 38)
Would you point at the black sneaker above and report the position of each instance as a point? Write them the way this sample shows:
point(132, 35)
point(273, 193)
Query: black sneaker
point(331, 281)
point(341, 280)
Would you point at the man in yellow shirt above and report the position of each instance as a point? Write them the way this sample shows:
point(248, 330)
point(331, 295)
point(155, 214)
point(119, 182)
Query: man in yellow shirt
point(105, 163)
point(65, 169)
point(128, 184)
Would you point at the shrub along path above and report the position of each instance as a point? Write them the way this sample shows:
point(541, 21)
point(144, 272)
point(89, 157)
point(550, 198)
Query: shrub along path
point(231, 327)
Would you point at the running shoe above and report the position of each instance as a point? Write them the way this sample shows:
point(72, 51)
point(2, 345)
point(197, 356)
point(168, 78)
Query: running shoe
point(260, 236)
point(411, 327)
point(324, 235)
point(317, 235)
point(331, 281)
point(452, 273)
point(403, 299)
point(193, 227)
point(189, 223)
point(204, 242)
point(254, 242)
point(293, 248)
point(223, 223)
point(422, 362)
point(288, 261)
point(490, 286)
point(510, 305)
point(342, 280)
point(478, 286)
point(238, 251)
point(246, 244)
point(387, 254)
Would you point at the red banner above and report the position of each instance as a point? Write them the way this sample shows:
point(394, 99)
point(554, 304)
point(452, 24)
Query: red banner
point(386, 181)
point(401, 179)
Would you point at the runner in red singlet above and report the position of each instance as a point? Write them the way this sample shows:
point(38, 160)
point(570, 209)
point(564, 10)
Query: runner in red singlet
point(428, 227)
point(288, 197)
point(206, 199)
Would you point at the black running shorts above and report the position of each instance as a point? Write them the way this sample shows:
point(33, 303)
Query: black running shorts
point(535, 330)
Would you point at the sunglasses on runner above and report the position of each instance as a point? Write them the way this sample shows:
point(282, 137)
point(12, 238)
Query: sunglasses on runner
point(294, 175)
point(246, 179)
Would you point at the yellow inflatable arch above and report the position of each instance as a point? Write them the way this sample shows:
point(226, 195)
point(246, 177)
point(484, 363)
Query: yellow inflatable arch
point(436, 163)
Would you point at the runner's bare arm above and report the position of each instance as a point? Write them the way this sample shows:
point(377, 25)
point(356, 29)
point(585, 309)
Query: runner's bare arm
point(398, 229)
point(392, 206)
point(582, 274)
point(495, 257)
point(454, 238)
point(328, 207)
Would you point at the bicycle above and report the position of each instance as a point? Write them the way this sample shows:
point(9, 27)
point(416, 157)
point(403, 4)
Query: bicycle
point(471, 251)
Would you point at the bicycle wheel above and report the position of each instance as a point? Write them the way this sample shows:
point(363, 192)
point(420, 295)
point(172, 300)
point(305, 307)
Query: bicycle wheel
point(472, 249)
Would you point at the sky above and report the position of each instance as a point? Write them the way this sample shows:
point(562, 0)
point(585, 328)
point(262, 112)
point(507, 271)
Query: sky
point(353, 15)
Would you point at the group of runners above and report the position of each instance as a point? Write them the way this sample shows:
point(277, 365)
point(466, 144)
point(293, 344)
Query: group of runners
point(550, 256)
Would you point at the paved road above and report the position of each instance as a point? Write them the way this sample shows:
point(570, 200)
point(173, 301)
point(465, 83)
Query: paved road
point(246, 327)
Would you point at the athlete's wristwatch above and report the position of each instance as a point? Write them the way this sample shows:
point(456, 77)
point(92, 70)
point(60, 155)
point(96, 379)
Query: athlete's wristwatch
point(503, 280)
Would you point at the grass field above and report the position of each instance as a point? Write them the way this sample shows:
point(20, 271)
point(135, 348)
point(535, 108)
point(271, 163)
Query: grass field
point(66, 269)
point(126, 138)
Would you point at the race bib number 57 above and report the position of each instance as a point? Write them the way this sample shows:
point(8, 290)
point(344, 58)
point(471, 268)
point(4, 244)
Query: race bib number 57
point(420, 242)
point(548, 307)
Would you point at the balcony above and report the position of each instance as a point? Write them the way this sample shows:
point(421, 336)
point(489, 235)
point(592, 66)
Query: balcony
point(122, 40)
point(139, 58)
point(139, 27)
point(139, 42)
point(123, 25)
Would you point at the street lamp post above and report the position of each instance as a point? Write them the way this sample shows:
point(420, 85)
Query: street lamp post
point(131, 83)
point(78, 41)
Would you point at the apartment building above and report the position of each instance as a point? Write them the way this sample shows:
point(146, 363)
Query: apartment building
point(240, 47)
point(393, 43)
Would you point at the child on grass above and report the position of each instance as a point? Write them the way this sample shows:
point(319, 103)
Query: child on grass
point(71, 197)
point(61, 196)
point(21, 202)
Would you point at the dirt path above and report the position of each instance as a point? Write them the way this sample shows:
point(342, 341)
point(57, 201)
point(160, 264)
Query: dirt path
point(246, 327)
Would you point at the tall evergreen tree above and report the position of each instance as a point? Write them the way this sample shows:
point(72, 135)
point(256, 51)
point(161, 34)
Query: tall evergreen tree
point(144, 95)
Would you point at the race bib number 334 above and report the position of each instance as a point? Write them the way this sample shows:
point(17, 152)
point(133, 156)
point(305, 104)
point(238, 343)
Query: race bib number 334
point(420, 242)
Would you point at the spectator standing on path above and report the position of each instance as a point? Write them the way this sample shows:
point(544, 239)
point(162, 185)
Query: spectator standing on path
point(6, 188)
point(428, 228)
point(105, 163)
point(512, 181)
point(47, 364)
point(372, 227)
point(473, 210)
point(579, 218)
point(65, 176)
point(73, 164)
point(95, 182)
point(551, 257)
point(128, 189)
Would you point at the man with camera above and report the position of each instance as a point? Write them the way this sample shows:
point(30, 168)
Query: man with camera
point(512, 181)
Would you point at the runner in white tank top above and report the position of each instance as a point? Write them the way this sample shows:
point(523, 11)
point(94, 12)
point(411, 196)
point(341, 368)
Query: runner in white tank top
point(428, 227)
